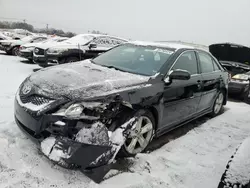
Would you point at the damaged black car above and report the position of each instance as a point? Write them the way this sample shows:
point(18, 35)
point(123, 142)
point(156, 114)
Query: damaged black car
point(85, 114)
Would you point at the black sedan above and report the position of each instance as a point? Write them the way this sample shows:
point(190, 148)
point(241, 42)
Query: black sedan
point(236, 59)
point(239, 85)
point(85, 113)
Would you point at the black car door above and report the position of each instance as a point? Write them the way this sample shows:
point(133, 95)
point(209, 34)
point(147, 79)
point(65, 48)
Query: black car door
point(211, 78)
point(181, 97)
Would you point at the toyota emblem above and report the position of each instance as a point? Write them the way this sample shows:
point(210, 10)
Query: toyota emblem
point(26, 89)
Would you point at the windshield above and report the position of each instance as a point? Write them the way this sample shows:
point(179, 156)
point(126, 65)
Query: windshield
point(80, 39)
point(143, 60)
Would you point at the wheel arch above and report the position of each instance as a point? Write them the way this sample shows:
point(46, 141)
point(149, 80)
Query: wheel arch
point(225, 92)
point(155, 113)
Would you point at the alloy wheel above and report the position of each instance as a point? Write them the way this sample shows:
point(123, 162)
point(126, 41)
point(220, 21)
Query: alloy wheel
point(140, 136)
point(218, 103)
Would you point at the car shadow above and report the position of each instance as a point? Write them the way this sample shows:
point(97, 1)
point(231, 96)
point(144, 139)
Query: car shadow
point(26, 61)
point(178, 132)
point(37, 69)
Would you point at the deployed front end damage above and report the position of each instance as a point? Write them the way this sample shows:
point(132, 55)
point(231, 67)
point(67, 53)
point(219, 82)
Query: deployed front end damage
point(88, 136)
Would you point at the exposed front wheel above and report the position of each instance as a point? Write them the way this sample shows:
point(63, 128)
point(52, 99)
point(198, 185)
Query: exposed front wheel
point(218, 104)
point(140, 136)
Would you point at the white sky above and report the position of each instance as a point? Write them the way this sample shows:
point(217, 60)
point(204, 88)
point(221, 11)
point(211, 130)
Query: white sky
point(198, 21)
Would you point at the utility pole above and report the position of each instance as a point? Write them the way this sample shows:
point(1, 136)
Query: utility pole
point(24, 21)
point(47, 28)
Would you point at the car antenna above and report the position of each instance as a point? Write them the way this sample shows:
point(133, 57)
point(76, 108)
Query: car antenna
point(80, 55)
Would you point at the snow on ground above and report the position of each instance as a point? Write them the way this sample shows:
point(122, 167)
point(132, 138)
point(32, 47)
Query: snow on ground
point(195, 159)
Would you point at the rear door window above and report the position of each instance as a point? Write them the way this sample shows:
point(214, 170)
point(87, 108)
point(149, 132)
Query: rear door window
point(206, 62)
point(216, 66)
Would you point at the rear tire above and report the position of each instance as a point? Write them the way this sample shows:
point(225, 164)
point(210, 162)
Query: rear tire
point(141, 136)
point(71, 59)
point(218, 104)
point(15, 51)
point(245, 97)
point(8, 52)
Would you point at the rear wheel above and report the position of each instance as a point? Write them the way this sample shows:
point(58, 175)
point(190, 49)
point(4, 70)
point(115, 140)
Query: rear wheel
point(218, 104)
point(140, 137)
point(245, 96)
point(15, 51)
point(71, 59)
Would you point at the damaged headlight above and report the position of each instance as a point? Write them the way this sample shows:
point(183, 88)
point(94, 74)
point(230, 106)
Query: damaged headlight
point(74, 111)
point(56, 50)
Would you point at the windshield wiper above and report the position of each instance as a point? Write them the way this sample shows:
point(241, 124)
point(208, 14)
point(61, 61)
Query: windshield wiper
point(113, 67)
point(108, 66)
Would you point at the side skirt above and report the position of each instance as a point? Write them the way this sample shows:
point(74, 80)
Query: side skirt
point(168, 129)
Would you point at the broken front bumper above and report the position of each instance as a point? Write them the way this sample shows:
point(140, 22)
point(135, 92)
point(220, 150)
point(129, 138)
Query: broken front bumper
point(92, 156)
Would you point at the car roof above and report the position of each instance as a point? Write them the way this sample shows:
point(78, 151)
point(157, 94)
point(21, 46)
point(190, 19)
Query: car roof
point(170, 45)
point(102, 35)
point(228, 43)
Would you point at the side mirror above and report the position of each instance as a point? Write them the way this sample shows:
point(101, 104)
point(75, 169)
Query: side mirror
point(92, 45)
point(178, 74)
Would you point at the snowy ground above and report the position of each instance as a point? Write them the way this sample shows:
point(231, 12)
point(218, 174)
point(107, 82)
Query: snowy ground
point(193, 156)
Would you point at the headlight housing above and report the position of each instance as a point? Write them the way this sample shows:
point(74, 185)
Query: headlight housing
point(241, 78)
point(55, 50)
point(74, 111)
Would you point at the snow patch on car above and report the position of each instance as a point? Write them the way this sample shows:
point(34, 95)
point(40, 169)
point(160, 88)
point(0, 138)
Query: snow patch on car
point(175, 46)
point(83, 80)
point(53, 153)
point(239, 167)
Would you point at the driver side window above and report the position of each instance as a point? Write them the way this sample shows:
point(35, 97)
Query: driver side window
point(187, 61)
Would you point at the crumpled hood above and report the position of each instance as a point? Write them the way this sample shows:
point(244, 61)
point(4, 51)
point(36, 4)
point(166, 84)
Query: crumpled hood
point(82, 80)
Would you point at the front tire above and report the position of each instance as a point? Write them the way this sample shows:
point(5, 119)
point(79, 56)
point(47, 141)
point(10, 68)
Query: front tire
point(218, 104)
point(71, 59)
point(141, 136)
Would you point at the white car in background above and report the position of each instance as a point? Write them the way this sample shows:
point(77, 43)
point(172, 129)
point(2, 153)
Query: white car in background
point(4, 37)
point(11, 47)
point(26, 50)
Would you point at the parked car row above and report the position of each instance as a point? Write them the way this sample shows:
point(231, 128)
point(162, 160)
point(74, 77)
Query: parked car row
point(26, 50)
point(80, 47)
point(11, 46)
